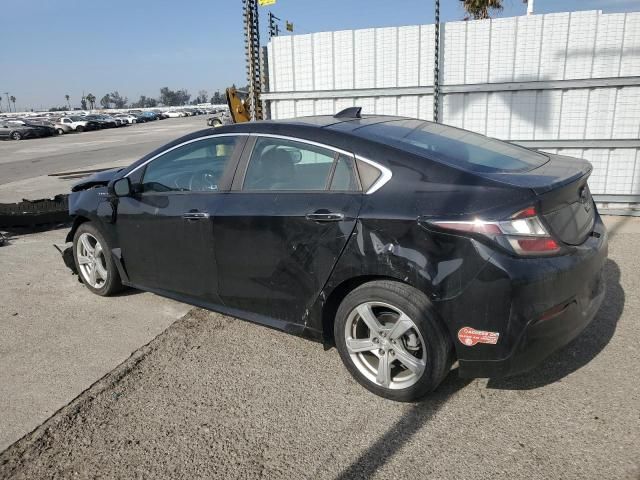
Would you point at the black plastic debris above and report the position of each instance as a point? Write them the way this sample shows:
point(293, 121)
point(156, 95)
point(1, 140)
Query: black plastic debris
point(32, 213)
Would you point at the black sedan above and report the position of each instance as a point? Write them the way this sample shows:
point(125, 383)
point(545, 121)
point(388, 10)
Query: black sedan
point(406, 244)
point(17, 131)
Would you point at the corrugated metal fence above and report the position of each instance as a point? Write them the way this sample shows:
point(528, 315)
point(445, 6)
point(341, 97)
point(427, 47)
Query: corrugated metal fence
point(563, 82)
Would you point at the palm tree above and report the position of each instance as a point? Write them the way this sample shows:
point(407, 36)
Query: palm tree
point(68, 104)
point(479, 9)
point(91, 98)
point(13, 100)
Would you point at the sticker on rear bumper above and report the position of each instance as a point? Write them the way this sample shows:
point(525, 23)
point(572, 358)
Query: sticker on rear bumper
point(470, 336)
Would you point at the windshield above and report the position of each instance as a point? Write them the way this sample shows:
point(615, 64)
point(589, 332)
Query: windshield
point(454, 146)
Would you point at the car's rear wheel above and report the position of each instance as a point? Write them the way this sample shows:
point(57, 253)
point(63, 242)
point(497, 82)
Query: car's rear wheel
point(79, 128)
point(216, 123)
point(391, 342)
point(60, 131)
point(94, 262)
point(16, 136)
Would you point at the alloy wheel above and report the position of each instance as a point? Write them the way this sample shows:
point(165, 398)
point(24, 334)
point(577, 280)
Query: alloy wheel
point(92, 261)
point(385, 345)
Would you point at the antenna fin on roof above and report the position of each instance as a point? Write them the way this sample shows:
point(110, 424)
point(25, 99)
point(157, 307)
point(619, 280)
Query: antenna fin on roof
point(351, 112)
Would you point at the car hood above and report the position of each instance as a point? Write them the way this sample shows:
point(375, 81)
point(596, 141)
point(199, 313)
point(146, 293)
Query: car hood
point(97, 179)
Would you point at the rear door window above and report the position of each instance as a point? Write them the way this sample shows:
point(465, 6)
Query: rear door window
point(454, 146)
point(281, 165)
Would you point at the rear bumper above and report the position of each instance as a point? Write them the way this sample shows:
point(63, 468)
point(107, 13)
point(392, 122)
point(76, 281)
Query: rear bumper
point(536, 306)
point(541, 338)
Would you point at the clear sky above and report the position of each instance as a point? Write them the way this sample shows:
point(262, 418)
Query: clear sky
point(49, 48)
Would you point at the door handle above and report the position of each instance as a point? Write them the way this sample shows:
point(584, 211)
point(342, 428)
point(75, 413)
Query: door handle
point(195, 215)
point(325, 217)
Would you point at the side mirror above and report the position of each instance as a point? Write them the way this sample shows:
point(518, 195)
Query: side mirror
point(122, 187)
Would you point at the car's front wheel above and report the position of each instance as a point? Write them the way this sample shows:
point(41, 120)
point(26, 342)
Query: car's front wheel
point(16, 136)
point(390, 340)
point(94, 262)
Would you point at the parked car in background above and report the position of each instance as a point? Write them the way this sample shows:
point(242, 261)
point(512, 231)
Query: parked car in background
point(218, 118)
point(174, 114)
point(44, 129)
point(16, 131)
point(409, 245)
point(127, 117)
point(149, 116)
point(102, 121)
point(79, 123)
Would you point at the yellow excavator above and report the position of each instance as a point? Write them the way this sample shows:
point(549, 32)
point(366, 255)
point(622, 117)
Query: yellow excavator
point(239, 106)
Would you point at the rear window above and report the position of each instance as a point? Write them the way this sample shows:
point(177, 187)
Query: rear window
point(456, 147)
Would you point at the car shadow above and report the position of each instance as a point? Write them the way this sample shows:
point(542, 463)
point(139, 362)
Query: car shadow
point(580, 351)
point(397, 436)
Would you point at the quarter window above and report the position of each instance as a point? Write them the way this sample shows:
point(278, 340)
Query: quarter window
point(278, 164)
point(194, 167)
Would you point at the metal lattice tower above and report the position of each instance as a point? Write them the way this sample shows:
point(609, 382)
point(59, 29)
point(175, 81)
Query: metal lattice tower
point(252, 50)
point(436, 66)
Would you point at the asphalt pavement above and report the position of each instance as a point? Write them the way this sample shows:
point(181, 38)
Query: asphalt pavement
point(216, 397)
point(27, 164)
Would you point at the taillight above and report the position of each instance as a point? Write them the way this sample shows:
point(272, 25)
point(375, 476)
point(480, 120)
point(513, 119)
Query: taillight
point(523, 232)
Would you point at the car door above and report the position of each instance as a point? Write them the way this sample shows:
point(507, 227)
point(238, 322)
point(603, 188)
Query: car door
point(282, 227)
point(165, 229)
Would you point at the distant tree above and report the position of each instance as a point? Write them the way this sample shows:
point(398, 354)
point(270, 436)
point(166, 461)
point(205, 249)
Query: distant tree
point(83, 103)
point(203, 97)
point(67, 97)
point(118, 100)
point(218, 98)
point(58, 109)
point(105, 101)
point(13, 100)
point(145, 102)
point(172, 98)
point(91, 98)
point(480, 9)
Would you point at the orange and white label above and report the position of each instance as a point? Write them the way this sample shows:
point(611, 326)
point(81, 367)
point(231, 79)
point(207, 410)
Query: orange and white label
point(470, 336)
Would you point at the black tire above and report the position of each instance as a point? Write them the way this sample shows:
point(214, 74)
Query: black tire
point(79, 129)
point(216, 123)
point(16, 136)
point(415, 304)
point(113, 284)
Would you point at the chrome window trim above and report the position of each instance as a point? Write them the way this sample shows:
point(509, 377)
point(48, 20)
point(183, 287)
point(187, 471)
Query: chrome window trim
point(193, 140)
point(385, 173)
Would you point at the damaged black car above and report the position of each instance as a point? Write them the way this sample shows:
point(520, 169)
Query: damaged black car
point(409, 245)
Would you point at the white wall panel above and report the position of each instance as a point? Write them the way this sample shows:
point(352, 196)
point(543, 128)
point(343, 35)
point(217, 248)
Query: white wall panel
point(548, 115)
point(387, 105)
point(453, 109)
point(580, 46)
point(325, 107)
point(574, 113)
point(606, 62)
point(499, 114)
point(386, 57)
point(323, 60)
point(368, 104)
point(503, 34)
point(601, 110)
point(475, 112)
point(523, 115)
point(304, 108)
point(342, 103)
point(365, 61)
point(620, 176)
point(631, 46)
point(283, 60)
point(427, 35)
point(343, 59)
point(303, 62)
point(477, 55)
point(408, 106)
point(285, 109)
point(409, 56)
point(627, 118)
point(454, 52)
point(425, 107)
point(554, 46)
point(528, 41)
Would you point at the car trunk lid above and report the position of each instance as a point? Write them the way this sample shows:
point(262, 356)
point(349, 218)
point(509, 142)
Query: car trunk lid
point(565, 202)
